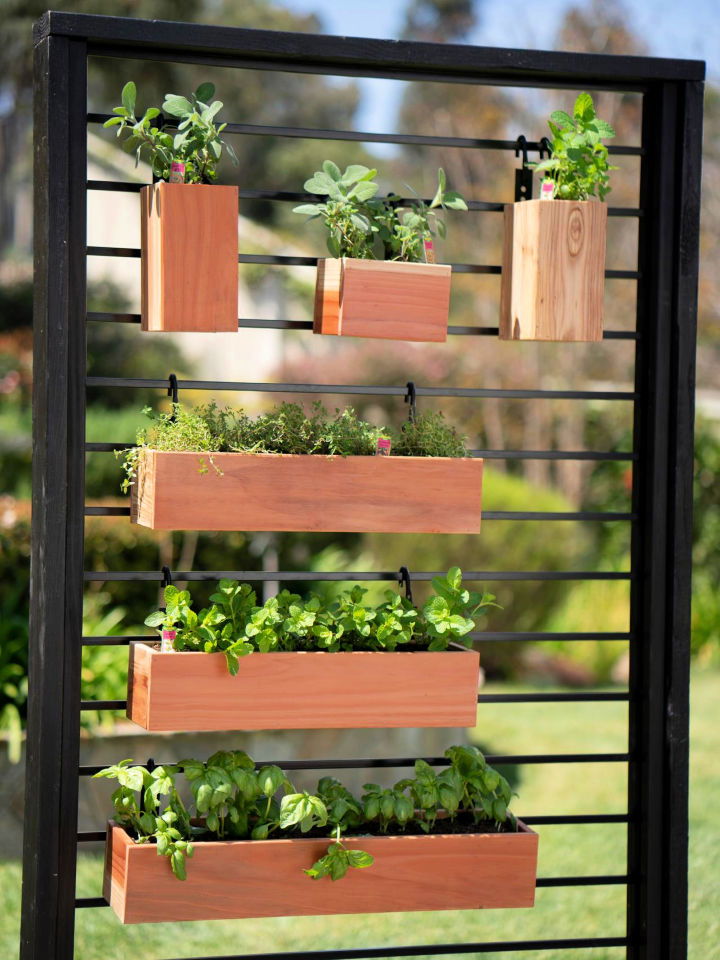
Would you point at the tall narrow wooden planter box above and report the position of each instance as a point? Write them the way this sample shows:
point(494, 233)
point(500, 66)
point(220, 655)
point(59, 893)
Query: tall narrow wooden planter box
point(189, 258)
point(264, 878)
point(264, 491)
point(296, 691)
point(382, 299)
point(553, 278)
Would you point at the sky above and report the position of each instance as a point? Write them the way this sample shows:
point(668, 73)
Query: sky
point(668, 29)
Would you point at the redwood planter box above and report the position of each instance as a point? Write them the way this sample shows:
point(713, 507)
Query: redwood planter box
point(303, 690)
point(189, 257)
point(266, 491)
point(264, 878)
point(382, 299)
point(553, 277)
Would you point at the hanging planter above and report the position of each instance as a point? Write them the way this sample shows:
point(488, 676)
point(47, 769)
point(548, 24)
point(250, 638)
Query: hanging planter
point(386, 300)
point(382, 281)
point(553, 275)
point(553, 280)
point(189, 258)
point(189, 229)
point(283, 492)
point(265, 878)
point(302, 690)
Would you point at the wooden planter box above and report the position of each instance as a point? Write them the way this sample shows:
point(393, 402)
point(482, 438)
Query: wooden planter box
point(553, 278)
point(264, 878)
point(189, 258)
point(302, 691)
point(382, 299)
point(265, 491)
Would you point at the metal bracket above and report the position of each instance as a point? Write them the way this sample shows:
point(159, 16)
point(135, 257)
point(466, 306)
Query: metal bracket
point(523, 175)
point(404, 580)
point(411, 398)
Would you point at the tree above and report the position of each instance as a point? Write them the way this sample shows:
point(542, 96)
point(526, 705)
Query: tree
point(439, 20)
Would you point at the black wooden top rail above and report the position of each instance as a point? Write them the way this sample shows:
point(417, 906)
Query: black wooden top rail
point(351, 56)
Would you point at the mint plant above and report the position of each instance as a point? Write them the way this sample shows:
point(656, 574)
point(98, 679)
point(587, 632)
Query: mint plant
point(366, 227)
point(579, 161)
point(197, 143)
point(236, 625)
point(234, 800)
point(209, 429)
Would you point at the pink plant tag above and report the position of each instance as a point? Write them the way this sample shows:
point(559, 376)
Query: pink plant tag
point(383, 447)
point(547, 189)
point(166, 641)
point(429, 247)
point(177, 172)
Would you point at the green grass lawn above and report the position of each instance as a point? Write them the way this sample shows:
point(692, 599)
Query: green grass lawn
point(564, 850)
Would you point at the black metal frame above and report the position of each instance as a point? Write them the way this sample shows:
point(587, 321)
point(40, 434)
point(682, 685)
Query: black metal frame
point(657, 756)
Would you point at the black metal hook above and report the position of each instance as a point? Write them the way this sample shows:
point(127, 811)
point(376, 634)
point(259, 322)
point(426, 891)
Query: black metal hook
point(524, 174)
point(521, 146)
point(166, 577)
point(404, 580)
point(172, 391)
point(544, 147)
point(411, 398)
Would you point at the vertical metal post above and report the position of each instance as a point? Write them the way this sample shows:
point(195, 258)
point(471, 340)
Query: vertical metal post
point(662, 538)
point(56, 587)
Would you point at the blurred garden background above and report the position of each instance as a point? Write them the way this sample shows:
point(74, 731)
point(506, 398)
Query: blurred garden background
point(529, 484)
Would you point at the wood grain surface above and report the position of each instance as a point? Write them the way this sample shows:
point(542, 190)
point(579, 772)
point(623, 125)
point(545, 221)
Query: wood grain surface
point(553, 279)
point(264, 878)
point(245, 491)
point(382, 299)
point(189, 270)
point(302, 691)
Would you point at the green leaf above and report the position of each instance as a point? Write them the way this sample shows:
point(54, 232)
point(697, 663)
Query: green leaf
point(205, 92)
point(177, 106)
point(113, 122)
point(332, 170)
point(584, 108)
point(562, 119)
point(355, 172)
point(360, 858)
point(363, 191)
point(605, 129)
point(128, 96)
point(453, 201)
point(309, 209)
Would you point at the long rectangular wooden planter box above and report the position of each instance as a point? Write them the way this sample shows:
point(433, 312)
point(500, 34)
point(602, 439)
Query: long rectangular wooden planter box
point(261, 491)
point(553, 278)
point(189, 258)
point(383, 299)
point(303, 690)
point(264, 878)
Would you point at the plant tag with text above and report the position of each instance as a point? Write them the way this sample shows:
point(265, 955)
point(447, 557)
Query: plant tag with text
point(383, 447)
point(177, 172)
point(167, 640)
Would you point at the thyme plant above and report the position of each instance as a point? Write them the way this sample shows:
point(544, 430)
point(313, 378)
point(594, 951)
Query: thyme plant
point(579, 162)
point(209, 429)
point(236, 625)
point(197, 143)
point(234, 800)
point(366, 227)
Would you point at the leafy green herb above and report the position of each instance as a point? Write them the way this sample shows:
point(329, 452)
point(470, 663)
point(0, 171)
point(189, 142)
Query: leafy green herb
point(234, 800)
point(361, 225)
point(579, 162)
point(197, 142)
point(285, 429)
point(234, 623)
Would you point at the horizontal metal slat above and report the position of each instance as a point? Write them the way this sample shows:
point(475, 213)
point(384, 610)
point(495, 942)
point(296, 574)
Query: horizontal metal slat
point(96, 836)
point(411, 139)
point(93, 511)
point(268, 324)
point(367, 390)
point(342, 575)
point(486, 454)
point(378, 763)
point(292, 261)
point(479, 206)
point(477, 637)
